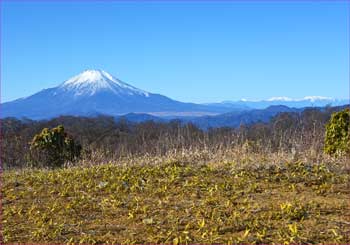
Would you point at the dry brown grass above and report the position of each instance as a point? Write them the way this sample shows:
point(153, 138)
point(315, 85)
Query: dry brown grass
point(235, 196)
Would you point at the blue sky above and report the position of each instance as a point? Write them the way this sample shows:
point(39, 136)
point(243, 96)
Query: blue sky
point(189, 51)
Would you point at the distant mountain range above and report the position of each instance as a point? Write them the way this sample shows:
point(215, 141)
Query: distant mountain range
point(96, 92)
point(308, 101)
point(231, 119)
point(235, 119)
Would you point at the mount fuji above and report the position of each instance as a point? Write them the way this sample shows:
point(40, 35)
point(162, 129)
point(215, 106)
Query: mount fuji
point(96, 92)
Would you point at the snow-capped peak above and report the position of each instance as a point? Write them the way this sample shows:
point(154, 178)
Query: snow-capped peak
point(89, 82)
point(86, 77)
point(280, 99)
point(314, 98)
point(306, 98)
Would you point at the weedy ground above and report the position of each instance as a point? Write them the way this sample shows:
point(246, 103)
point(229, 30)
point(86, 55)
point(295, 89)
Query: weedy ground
point(178, 202)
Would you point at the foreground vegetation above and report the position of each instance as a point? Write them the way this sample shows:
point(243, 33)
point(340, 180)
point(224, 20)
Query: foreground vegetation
point(178, 202)
point(104, 139)
point(95, 180)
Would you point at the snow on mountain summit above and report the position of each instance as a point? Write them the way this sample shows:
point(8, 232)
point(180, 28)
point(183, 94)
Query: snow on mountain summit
point(282, 98)
point(315, 98)
point(90, 82)
point(306, 98)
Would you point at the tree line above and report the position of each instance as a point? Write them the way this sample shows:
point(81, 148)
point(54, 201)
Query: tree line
point(110, 139)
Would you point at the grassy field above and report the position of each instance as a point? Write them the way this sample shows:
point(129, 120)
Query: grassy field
point(178, 202)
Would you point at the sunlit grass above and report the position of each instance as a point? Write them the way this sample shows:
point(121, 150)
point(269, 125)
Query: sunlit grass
point(177, 202)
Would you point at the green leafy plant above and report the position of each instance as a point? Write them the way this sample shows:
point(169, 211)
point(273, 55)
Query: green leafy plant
point(337, 139)
point(52, 148)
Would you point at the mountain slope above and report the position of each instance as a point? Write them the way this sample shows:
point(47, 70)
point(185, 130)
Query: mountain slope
point(95, 92)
